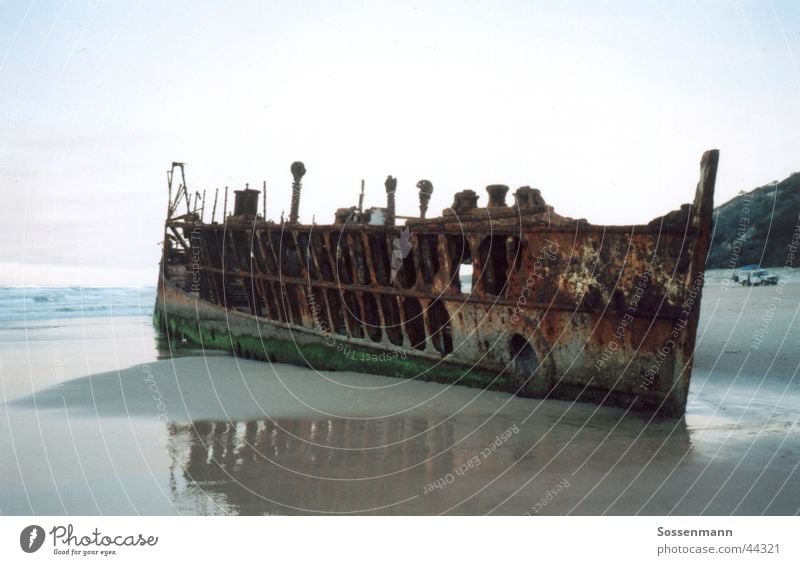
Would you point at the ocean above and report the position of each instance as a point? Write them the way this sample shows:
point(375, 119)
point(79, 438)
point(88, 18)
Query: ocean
point(55, 303)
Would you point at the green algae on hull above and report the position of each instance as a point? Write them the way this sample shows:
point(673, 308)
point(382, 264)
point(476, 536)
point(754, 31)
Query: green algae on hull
point(321, 356)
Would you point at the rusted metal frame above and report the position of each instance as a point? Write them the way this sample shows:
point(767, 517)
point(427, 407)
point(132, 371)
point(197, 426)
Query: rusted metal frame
point(331, 250)
point(283, 281)
point(344, 259)
point(339, 260)
point(353, 320)
point(702, 221)
point(173, 206)
point(303, 265)
point(402, 314)
point(267, 294)
point(429, 256)
point(266, 291)
point(243, 271)
point(302, 298)
point(311, 255)
point(477, 285)
point(454, 298)
point(419, 318)
point(426, 324)
point(319, 292)
point(182, 193)
point(179, 238)
point(397, 299)
point(365, 242)
point(415, 258)
point(215, 258)
point(275, 258)
point(476, 226)
point(436, 336)
point(290, 325)
point(451, 298)
point(267, 286)
point(339, 316)
point(513, 284)
point(214, 208)
point(261, 297)
point(295, 312)
point(446, 262)
point(279, 279)
point(223, 268)
point(353, 252)
point(520, 229)
point(169, 192)
point(360, 296)
point(207, 286)
point(283, 307)
point(275, 280)
point(249, 290)
point(361, 263)
point(188, 221)
point(300, 294)
point(237, 275)
point(347, 256)
point(357, 256)
point(255, 299)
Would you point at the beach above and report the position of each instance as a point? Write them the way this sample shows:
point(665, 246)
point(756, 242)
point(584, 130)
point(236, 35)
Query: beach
point(99, 420)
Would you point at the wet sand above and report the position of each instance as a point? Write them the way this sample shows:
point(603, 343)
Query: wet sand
point(217, 435)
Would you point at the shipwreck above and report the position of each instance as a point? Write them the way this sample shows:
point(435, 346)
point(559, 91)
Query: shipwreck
point(506, 296)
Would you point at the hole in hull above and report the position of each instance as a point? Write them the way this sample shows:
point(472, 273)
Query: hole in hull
point(441, 334)
point(524, 359)
point(372, 318)
point(415, 325)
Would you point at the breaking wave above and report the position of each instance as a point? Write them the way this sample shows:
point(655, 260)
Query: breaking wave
point(39, 303)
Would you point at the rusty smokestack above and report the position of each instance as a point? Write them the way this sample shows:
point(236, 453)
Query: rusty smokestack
point(298, 170)
point(465, 201)
point(391, 187)
point(497, 195)
point(425, 190)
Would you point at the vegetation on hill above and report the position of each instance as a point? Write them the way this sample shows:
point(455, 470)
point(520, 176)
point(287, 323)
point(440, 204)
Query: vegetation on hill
point(756, 227)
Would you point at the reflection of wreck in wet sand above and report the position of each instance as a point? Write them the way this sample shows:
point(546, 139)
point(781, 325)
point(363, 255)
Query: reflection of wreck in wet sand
point(286, 466)
point(556, 308)
point(408, 465)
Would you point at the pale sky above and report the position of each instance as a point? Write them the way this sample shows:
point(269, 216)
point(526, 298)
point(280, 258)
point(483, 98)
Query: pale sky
point(604, 106)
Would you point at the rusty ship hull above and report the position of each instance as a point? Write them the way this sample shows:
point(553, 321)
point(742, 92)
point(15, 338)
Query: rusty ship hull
point(554, 307)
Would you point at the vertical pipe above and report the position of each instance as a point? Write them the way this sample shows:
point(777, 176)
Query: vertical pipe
point(264, 202)
point(361, 200)
point(298, 170)
point(425, 190)
point(391, 187)
point(214, 209)
point(169, 199)
point(225, 206)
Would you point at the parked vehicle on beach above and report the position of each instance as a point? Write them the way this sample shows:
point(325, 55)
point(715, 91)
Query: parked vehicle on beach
point(754, 275)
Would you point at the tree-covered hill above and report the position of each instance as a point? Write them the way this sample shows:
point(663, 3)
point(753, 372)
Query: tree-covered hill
point(756, 227)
